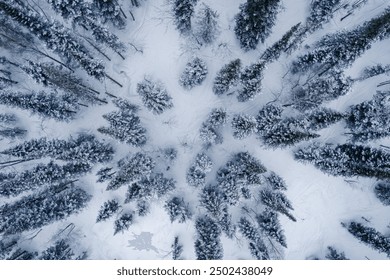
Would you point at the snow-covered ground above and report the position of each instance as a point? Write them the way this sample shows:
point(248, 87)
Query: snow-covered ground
point(321, 202)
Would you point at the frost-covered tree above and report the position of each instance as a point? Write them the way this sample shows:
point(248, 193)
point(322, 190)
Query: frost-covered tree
point(42, 208)
point(277, 201)
point(123, 222)
point(333, 254)
point(382, 192)
point(208, 245)
point(375, 70)
point(182, 12)
point(8, 118)
point(110, 10)
point(21, 254)
point(250, 82)
point(270, 226)
point(205, 27)
point(254, 22)
point(321, 11)
point(203, 162)
point(14, 132)
point(268, 118)
point(227, 77)
point(370, 120)
point(132, 168)
point(178, 210)
point(243, 126)
point(325, 88)
point(108, 209)
point(195, 177)
point(105, 174)
point(256, 244)
point(194, 73)
point(210, 130)
point(285, 44)
point(347, 160)
point(369, 236)
point(213, 200)
point(154, 96)
point(125, 125)
point(143, 207)
point(276, 182)
point(39, 176)
point(177, 249)
point(344, 47)
point(85, 148)
point(322, 118)
point(56, 37)
point(6, 246)
point(61, 250)
point(61, 107)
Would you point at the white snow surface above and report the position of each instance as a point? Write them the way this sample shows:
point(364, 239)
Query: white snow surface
point(321, 202)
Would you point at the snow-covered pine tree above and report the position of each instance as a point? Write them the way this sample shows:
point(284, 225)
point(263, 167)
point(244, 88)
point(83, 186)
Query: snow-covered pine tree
point(125, 125)
point(322, 118)
point(375, 70)
point(123, 222)
point(208, 245)
point(110, 10)
point(40, 176)
point(108, 209)
point(195, 177)
point(14, 132)
point(285, 44)
point(56, 37)
point(203, 162)
point(22, 255)
point(254, 22)
point(143, 207)
point(276, 182)
point(267, 118)
point(6, 246)
point(194, 73)
point(61, 107)
point(243, 126)
point(61, 250)
point(347, 160)
point(132, 168)
point(250, 81)
point(270, 226)
point(209, 131)
point(256, 244)
point(177, 249)
point(214, 201)
point(182, 12)
point(105, 174)
point(369, 236)
point(344, 47)
point(370, 120)
point(382, 192)
point(277, 201)
point(154, 96)
point(178, 210)
point(333, 254)
point(205, 27)
point(321, 11)
point(36, 210)
point(227, 77)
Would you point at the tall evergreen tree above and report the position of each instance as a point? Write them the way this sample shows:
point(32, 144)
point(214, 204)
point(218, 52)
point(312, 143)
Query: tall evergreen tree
point(108, 209)
point(250, 82)
point(194, 73)
point(256, 244)
point(277, 201)
point(210, 130)
point(321, 11)
point(110, 10)
point(177, 249)
point(208, 245)
point(61, 250)
point(270, 226)
point(254, 22)
point(243, 126)
point(333, 254)
point(182, 12)
point(123, 222)
point(178, 210)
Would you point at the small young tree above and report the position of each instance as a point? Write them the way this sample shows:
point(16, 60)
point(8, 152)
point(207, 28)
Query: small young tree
point(194, 73)
point(333, 254)
point(108, 209)
point(177, 249)
point(154, 96)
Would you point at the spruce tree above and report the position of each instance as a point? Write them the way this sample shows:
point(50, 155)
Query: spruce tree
point(227, 77)
point(210, 130)
point(254, 22)
point(333, 254)
point(256, 244)
point(194, 73)
point(321, 11)
point(250, 82)
point(178, 210)
point(108, 209)
point(382, 192)
point(182, 12)
point(277, 201)
point(269, 224)
point(208, 245)
point(154, 96)
point(206, 27)
point(61, 250)
point(243, 126)
point(177, 249)
point(110, 10)
point(123, 222)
